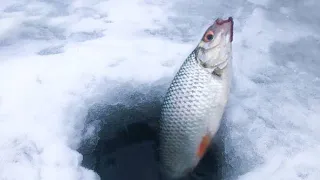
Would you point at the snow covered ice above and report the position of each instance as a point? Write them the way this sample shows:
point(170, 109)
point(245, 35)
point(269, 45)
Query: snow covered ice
point(60, 58)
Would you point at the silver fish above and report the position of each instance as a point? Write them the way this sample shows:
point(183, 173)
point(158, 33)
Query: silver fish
point(195, 102)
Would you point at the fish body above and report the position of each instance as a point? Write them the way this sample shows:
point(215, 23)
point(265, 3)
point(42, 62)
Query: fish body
point(195, 102)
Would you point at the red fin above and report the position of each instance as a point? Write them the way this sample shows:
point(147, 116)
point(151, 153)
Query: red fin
point(203, 146)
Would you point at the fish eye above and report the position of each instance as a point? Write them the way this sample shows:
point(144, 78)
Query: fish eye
point(208, 36)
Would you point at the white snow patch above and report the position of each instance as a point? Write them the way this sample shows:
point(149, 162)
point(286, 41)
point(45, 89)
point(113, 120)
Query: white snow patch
point(267, 118)
point(44, 99)
point(259, 2)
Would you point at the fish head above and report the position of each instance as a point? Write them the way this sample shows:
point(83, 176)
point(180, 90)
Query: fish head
point(214, 49)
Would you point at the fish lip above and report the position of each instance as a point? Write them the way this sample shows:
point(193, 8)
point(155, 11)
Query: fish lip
point(221, 22)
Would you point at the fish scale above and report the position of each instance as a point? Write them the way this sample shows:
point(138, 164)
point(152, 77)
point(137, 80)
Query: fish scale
point(192, 93)
point(195, 101)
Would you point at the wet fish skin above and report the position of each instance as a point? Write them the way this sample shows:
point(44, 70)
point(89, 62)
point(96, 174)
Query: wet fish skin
point(195, 102)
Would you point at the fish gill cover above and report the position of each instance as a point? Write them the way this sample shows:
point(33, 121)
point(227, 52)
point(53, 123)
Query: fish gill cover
point(60, 58)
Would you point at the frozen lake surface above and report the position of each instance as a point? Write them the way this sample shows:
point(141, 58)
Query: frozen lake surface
point(61, 60)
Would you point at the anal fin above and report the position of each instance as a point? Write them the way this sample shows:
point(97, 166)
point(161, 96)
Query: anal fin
point(204, 144)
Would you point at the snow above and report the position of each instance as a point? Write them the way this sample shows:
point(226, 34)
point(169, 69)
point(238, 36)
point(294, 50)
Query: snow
point(59, 58)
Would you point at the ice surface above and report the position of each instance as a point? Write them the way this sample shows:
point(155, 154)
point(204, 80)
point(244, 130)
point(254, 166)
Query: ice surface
point(59, 58)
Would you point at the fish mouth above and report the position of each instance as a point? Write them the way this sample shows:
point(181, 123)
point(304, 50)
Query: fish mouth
point(225, 25)
point(216, 52)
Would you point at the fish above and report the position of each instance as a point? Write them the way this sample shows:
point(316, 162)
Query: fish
point(195, 101)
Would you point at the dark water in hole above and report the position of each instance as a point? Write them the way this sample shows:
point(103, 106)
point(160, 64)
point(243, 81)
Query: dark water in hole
point(126, 148)
point(131, 153)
